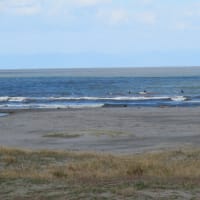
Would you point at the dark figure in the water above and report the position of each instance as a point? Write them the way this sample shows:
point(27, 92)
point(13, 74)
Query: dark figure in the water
point(182, 91)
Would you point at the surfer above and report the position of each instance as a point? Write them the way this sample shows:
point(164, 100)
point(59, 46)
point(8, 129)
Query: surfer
point(182, 91)
point(144, 92)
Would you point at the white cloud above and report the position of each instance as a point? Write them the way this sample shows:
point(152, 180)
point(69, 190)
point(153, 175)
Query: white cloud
point(91, 2)
point(146, 2)
point(182, 25)
point(106, 11)
point(77, 3)
point(185, 26)
point(188, 18)
point(27, 11)
point(54, 8)
point(113, 16)
point(20, 7)
point(122, 16)
point(145, 17)
point(119, 16)
point(30, 7)
point(68, 7)
point(193, 10)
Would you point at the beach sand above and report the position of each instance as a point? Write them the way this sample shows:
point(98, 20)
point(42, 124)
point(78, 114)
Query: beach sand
point(88, 173)
point(115, 130)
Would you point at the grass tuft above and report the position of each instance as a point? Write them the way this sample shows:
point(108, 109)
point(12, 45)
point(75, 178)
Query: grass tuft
point(62, 135)
point(15, 163)
point(86, 175)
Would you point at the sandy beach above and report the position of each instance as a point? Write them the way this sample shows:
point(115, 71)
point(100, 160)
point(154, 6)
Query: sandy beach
point(115, 130)
point(100, 153)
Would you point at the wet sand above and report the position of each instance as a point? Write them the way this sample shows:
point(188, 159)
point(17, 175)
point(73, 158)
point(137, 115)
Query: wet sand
point(116, 130)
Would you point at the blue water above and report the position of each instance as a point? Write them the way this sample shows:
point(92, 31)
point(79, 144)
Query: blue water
point(61, 92)
point(3, 114)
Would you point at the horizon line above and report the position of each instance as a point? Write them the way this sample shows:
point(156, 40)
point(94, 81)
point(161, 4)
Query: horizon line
point(78, 67)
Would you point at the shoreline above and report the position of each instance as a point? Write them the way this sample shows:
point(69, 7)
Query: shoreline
point(112, 130)
point(136, 107)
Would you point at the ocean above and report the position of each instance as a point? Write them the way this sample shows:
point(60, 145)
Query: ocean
point(116, 87)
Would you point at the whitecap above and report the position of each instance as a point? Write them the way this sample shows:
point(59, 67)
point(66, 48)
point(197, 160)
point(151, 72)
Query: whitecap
point(3, 99)
point(179, 98)
point(17, 99)
point(117, 98)
point(58, 106)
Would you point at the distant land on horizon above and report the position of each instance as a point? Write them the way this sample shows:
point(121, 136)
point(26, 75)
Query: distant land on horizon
point(104, 72)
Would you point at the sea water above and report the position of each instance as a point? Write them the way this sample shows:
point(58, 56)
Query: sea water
point(121, 87)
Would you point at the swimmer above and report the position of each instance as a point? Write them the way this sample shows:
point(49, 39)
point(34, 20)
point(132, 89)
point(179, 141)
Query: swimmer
point(144, 92)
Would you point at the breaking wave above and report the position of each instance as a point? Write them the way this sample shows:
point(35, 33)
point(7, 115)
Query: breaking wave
point(117, 98)
point(7, 102)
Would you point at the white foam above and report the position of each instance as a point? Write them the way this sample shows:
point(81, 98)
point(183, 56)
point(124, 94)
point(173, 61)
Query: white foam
point(10, 106)
point(53, 106)
point(141, 98)
point(86, 106)
point(57, 106)
point(13, 99)
point(2, 99)
point(86, 98)
point(17, 99)
point(118, 98)
point(194, 101)
point(49, 106)
point(178, 98)
point(142, 93)
point(75, 98)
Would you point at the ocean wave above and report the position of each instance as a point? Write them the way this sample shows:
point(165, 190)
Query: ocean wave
point(86, 98)
point(13, 99)
point(49, 106)
point(179, 98)
point(57, 106)
point(116, 98)
point(18, 99)
point(3, 99)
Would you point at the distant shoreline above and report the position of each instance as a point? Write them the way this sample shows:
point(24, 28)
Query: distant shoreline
point(104, 72)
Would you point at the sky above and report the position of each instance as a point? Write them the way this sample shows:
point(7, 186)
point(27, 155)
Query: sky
point(99, 33)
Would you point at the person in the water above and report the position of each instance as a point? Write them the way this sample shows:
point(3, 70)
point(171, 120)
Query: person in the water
point(144, 92)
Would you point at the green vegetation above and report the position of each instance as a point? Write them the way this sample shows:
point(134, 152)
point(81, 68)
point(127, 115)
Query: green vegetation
point(46, 174)
point(62, 135)
point(108, 133)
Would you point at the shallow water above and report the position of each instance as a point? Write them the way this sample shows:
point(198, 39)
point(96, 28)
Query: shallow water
point(3, 114)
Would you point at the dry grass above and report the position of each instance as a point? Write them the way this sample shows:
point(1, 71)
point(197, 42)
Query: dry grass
point(178, 164)
point(111, 133)
point(120, 177)
point(93, 166)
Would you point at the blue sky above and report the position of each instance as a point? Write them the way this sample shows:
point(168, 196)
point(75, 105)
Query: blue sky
point(99, 33)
